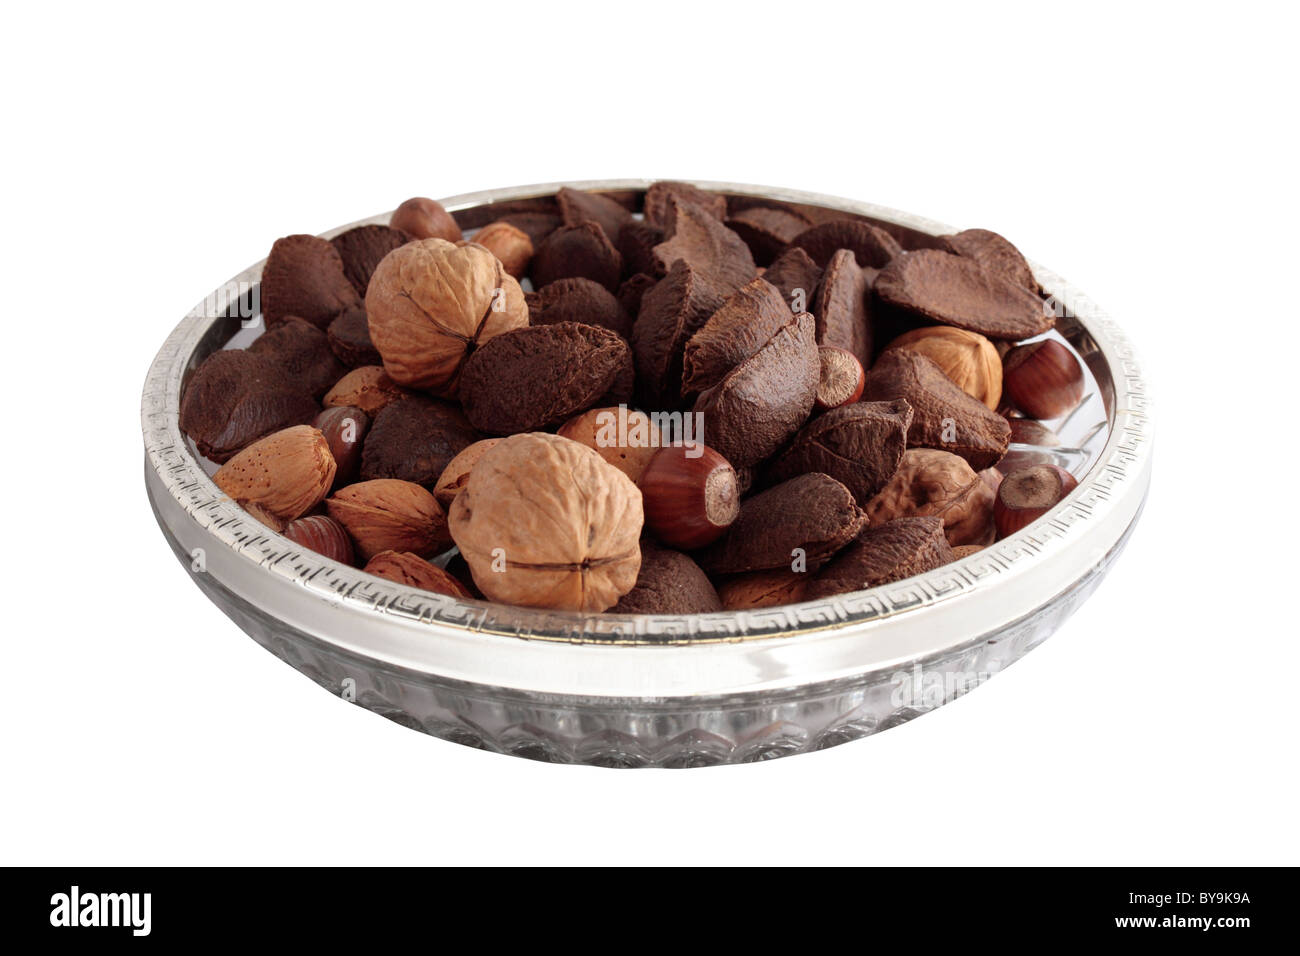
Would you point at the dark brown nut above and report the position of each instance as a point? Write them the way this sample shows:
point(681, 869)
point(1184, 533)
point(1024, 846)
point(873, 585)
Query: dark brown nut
point(425, 219)
point(882, 555)
point(454, 476)
point(1026, 431)
point(349, 337)
point(538, 377)
point(966, 550)
point(871, 246)
point(842, 378)
point(762, 589)
point(390, 515)
point(737, 330)
point(414, 439)
point(952, 290)
point(546, 522)
point(658, 196)
point(537, 225)
point(671, 312)
point(1043, 379)
point(636, 241)
point(363, 248)
point(368, 388)
point(796, 525)
point(859, 445)
point(841, 307)
point(690, 496)
point(796, 277)
point(279, 477)
point(994, 254)
point(508, 243)
point(768, 231)
point(403, 567)
point(431, 303)
point(581, 251)
point(969, 359)
point(765, 399)
point(236, 397)
point(669, 583)
point(344, 428)
point(939, 484)
point(706, 245)
point(304, 277)
point(304, 352)
point(1029, 493)
point(578, 300)
point(943, 416)
point(624, 437)
point(322, 534)
point(578, 207)
point(633, 290)
point(473, 217)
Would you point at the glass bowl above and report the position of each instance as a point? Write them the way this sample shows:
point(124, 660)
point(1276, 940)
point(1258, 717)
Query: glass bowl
point(646, 690)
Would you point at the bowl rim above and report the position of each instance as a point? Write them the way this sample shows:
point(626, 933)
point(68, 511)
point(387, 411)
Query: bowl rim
point(924, 615)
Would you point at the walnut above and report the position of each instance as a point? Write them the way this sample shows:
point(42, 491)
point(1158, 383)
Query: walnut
point(431, 303)
point(937, 483)
point(968, 358)
point(546, 522)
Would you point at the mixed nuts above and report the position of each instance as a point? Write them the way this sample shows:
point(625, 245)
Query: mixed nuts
point(671, 403)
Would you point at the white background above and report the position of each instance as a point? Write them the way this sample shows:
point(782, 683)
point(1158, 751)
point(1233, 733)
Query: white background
point(1147, 155)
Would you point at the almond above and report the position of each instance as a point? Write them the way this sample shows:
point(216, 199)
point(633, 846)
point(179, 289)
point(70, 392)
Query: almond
point(388, 514)
point(280, 477)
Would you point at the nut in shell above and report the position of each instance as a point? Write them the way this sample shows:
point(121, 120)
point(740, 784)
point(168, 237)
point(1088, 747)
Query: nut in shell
point(546, 522)
point(969, 359)
point(281, 476)
point(931, 482)
point(431, 303)
point(387, 514)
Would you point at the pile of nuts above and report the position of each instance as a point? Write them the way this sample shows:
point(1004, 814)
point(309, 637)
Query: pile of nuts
point(701, 402)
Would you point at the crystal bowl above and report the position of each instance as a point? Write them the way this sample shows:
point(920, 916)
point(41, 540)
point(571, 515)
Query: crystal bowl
point(644, 690)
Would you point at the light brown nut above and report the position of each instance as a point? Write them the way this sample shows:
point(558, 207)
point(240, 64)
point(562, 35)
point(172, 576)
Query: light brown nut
point(454, 476)
point(931, 482)
point(968, 358)
point(281, 476)
point(762, 589)
point(402, 567)
point(431, 303)
point(508, 243)
point(546, 522)
point(388, 514)
point(368, 388)
point(626, 438)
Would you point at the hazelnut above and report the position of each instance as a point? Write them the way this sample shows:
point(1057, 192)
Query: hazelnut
point(627, 439)
point(1026, 431)
point(546, 522)
point(1028, 494)
point(841, 378)
point(1043, 379)
point(969, 359)
point(368, 388)
point(431, 303)
point(425, 219)
point(388, 514)
point(281, 476)
point(344, 428)
point(509, 244)
point(931, 482)
point(690, 495)
point(454, 476)
point(402, 567)
point(322, 534)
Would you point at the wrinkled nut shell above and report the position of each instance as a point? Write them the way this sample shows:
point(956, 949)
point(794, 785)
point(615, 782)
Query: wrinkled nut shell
point(402, 567)
point(456, 473)
point(430, 303)
point(546, 522)
point(969, 359)
point(388, 514)
point(281, 476)
point(941, 484)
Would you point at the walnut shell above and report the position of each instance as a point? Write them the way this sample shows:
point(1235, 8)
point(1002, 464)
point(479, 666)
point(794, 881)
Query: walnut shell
point(968, 358)
point(431, 302)
point(281, 476)
point(546, 522)
point(388, 514)
point(939, 483)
